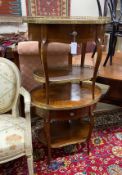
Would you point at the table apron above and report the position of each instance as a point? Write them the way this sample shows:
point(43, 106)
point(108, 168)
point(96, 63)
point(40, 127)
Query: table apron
point(63, 32)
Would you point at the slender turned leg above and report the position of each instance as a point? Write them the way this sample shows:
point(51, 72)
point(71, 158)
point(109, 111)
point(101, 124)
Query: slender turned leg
point(83, 52)
point(48, 135)
point(91, 117)
point(30, 164)
point(43, 57)
point(97, 64)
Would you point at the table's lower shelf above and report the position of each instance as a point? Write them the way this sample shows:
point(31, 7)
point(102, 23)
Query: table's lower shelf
point(66, 96)
point(66, 133)
point(65, 74)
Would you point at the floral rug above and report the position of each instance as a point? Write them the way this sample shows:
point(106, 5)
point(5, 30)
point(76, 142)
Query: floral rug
point(105, 154)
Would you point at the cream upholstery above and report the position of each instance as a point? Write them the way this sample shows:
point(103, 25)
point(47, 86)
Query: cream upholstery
point(15, 131)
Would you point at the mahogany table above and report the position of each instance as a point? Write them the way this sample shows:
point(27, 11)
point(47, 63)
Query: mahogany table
point(65, 95)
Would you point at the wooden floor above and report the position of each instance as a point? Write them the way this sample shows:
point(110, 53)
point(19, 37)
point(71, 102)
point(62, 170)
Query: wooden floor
point(110, 75)
point(112, 72)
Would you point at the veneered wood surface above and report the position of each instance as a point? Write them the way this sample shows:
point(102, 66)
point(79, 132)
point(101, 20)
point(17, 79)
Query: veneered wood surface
point(66, 133)
point(65, 74)
point(66, 96)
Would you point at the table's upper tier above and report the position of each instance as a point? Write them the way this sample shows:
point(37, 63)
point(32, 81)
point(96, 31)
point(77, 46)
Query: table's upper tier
point(55, 20)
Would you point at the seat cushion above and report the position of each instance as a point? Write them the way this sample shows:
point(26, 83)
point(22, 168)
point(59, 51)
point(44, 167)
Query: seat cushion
point(11, 136)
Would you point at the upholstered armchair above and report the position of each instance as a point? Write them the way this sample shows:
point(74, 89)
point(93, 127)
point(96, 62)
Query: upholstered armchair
point(15, 131)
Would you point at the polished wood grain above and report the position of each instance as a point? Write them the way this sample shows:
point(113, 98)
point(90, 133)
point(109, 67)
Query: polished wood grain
point(71, 114)
point(63, 33)
point(65, 96)
point(66, 133)
point(65, 74)
point(110, 75)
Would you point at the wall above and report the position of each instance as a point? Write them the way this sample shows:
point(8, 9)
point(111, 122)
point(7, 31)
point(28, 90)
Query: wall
point(84, 8)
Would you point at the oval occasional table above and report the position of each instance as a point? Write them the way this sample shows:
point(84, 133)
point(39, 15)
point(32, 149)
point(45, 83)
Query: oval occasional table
point(67, 93)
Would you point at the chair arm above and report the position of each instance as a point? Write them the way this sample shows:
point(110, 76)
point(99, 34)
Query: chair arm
point(28, 132)
point(27, 99)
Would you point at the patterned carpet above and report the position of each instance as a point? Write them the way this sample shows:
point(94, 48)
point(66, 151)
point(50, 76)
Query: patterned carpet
point(10, 7)
point(105, 156)
point(49, 8)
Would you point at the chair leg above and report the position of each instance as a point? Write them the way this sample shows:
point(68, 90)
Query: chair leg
point(113, 49)
point(30, 164)
point(106, 60)
point(94, 51)
point(114, 45)
point(111, 57)
point(110, 50)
